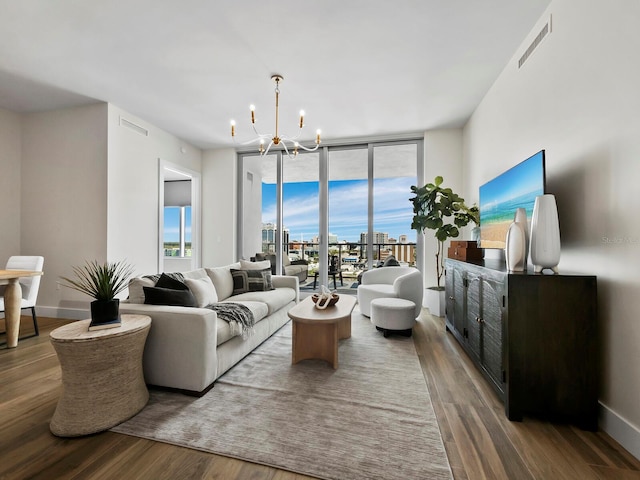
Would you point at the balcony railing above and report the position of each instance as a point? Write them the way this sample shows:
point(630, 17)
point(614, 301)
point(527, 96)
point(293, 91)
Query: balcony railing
point(351, 258)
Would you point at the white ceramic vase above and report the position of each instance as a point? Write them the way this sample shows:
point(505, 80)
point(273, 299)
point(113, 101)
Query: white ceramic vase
point(516, 246)
point(545, 234)
point(520, 218)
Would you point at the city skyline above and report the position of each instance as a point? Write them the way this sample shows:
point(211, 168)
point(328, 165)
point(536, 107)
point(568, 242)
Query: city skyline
point(392, 214)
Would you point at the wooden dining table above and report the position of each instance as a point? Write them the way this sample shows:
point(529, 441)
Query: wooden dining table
point(13, 301)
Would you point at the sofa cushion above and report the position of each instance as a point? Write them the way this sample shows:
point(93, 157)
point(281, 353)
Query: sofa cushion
point(274, 299)
point(169, 296)
point(136, 293)
point(261, 265)
point(294, 270)
point(203, 290)
point(258, 309)
point(251, 280)
point(222, 280)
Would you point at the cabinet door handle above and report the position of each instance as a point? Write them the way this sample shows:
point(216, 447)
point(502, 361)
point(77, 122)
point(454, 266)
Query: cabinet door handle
point(450, 297)
point(479, 320)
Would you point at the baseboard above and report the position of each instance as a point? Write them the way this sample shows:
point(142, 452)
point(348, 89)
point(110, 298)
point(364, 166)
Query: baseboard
point(620, 429)
point(69, 313)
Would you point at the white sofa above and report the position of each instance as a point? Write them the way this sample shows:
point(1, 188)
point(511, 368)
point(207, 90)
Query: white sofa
point(188, 348)
point(390, 282)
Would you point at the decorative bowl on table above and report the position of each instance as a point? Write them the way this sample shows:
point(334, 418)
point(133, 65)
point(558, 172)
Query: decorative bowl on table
point(332, 301)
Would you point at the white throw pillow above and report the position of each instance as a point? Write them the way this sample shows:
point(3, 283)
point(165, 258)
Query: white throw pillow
point(136, 292)
point(203, 290)
point(247, 265)
point(222, 280)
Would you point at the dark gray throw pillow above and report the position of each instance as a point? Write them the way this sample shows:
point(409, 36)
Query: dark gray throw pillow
point(167, 281)
point(251, 280)
point(169, 296)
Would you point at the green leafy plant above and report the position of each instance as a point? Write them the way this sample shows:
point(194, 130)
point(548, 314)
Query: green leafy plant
point(102, 281)
point(440, 209)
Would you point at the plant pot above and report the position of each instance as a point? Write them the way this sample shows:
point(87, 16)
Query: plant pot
point(103, 311)
point(434, 300)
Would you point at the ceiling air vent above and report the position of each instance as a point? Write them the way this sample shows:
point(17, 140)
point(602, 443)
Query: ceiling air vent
point(132, 126)
point(546, 30)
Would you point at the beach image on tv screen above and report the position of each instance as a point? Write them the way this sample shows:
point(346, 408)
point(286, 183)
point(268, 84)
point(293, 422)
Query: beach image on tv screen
point(499, 199)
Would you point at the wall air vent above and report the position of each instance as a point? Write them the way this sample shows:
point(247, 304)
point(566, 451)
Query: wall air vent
point(546, 30)
point(132, 126)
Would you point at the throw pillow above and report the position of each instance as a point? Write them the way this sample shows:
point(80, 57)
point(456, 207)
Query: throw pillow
point(246, 265)
point(169, 296)
point(166, 281)
point(251, 280)
point(222, 280)
point(203, 290)
point(136, 294)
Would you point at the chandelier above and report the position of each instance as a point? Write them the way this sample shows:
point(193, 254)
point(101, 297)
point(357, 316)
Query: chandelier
point(276, 139)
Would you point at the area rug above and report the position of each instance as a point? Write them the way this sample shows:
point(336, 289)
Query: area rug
point(372, 418)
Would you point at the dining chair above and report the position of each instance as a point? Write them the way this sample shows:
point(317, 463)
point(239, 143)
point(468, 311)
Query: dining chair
point(29, 285)
point(334, 269)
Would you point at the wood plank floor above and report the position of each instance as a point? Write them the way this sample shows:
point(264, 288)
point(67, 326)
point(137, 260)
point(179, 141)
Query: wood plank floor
point(480, 442)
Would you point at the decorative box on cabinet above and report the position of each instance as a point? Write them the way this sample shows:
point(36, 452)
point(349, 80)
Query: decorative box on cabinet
point(532, 335)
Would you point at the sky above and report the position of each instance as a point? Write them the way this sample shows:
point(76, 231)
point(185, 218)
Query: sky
point(393, 211)
point(172, 224)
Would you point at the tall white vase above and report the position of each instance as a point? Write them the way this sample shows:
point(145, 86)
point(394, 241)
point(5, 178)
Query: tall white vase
point(516, 244)
point(545, 234)
point(520, 218)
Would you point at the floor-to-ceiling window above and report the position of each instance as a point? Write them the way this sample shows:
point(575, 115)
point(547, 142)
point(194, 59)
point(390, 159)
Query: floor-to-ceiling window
point(348, 211)
point(349, 203)
point(394, 171)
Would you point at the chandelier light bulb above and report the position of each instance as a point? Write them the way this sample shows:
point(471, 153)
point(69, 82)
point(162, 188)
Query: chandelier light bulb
point(233, 128)
point(318, 132)
point(253, 113)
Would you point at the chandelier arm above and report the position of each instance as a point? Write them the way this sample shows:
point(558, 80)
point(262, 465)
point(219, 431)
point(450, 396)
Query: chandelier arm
point(268, 148)
point(249, 142)
point(286, 150)
point(260, 135)
point(309, 149)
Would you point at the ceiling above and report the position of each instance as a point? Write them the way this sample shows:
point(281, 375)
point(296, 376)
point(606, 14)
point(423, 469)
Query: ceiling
point(357, 67)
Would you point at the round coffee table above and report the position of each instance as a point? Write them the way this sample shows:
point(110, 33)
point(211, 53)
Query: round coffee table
point(102, 380)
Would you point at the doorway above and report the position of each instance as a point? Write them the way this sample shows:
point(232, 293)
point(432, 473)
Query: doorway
point(178, 218)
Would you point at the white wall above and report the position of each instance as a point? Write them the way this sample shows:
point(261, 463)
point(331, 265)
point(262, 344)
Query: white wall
point(219, 207)
point(577, 97)
point(252, 214)
point(10, 154)
point(442, 157)
point(134, 185)
point(63, 201)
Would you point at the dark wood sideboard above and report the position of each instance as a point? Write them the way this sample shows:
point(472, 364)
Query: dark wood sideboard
point(532, 335)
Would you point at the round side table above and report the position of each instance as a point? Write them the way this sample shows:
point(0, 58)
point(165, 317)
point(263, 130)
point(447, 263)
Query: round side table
point(102, 380)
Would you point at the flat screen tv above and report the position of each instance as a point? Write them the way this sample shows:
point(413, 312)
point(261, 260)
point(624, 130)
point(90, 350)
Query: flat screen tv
point(499, 198)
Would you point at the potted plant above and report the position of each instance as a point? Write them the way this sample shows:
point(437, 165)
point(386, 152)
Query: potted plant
point(102, 281)
point(440, 209)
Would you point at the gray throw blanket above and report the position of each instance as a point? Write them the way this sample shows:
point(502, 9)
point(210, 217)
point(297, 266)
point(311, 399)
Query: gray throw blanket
point(238, 316)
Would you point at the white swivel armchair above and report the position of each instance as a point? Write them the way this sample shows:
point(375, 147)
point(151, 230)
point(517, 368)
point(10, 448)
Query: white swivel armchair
point(390, 282)
point(29, 285)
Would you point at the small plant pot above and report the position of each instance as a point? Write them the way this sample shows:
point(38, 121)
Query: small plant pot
point(103, 311)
